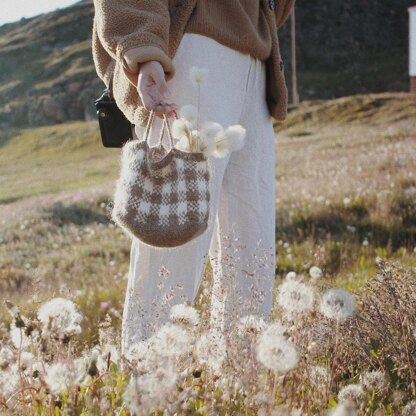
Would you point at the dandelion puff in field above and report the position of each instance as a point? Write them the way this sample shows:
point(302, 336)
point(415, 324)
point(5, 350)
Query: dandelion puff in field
point(61, 317)
point(409, 409)
point(346, 408)
point(190, 113)
point(198, 75)
point(211, 349)
point(171, 341)
point(291, 276)
point(373, 380)
point(315, 272)
point(102, 357)
point(352, 392)
point(295, 296)
point(184, 315)
point(274, 350)
point(319, 376)
point(61, 376)
point(250, 324)
point(337, 304)
point(19, 338)
point(149, 392)
point(9, 380)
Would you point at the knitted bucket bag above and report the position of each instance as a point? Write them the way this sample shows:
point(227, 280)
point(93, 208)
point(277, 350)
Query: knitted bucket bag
point(162, 196)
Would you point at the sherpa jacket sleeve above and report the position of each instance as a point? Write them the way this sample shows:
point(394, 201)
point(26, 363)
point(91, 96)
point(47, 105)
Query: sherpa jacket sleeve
point(283, 10)
point(134, 32)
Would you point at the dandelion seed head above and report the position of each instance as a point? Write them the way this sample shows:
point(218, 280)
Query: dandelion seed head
point(353, 392)
point(63, 316)
point(250, 324)
point(171, 341)
point(184, 315)
point(315, 272)
point(274, 350)
point(291, 276)
point(373, 380)
point(337, 304)
point(211, 349)
point(60, 376)
point(198, 75)
point(294, 296)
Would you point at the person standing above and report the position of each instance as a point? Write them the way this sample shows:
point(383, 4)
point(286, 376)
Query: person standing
point(148, 47)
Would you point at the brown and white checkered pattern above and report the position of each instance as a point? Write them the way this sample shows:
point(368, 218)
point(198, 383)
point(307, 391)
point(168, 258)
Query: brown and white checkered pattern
point(163, 201)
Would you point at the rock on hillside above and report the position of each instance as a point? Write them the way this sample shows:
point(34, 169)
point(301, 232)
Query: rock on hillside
point(47, 74)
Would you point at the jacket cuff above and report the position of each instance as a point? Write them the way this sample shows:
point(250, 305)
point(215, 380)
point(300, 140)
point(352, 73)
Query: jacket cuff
point(132, 59)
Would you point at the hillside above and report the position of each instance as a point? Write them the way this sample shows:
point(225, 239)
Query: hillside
point(47, 74)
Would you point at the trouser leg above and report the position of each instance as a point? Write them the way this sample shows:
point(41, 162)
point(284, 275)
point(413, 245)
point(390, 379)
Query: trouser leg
point(159, 278)
point(242, 252)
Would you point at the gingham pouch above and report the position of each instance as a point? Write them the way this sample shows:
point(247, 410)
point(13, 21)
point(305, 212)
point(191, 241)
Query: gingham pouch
point(162, 196)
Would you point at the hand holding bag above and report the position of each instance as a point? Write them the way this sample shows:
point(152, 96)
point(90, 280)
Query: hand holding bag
point(162, 196)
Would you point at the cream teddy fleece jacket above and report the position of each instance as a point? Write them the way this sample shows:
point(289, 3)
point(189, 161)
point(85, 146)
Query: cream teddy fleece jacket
point(127, 33)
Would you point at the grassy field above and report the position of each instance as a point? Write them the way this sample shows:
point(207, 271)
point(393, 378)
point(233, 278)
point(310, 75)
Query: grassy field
point(346, 194)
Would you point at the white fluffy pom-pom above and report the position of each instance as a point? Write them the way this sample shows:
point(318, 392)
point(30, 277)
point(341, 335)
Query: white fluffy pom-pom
point(221, 147)
point(190, 113)
point(211, 129)
point(183, 144)
point(178, 127)
point(235, 136)
point(198, 75)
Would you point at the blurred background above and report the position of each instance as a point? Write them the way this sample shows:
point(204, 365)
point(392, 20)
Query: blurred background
point(345, 156)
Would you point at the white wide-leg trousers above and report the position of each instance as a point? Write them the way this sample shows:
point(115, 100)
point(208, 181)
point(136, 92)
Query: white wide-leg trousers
point(240, 239)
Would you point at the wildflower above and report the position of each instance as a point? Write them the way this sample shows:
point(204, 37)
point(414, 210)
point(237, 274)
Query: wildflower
point(184, 315)
point(170, 341)
point(284, 410)
point(346, 408)
point(337, 304)
point(373, 380)
point(315, 272)
point(102, 356)
point(61, 376)
point(352, 392)
point(211, 349)
point(365, 242)
point(198, 75)
point(346, 201)
point(295, 296)
point(250, 324)
point(274, 351)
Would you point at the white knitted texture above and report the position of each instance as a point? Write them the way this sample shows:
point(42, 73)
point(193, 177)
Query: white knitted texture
point(168, 196)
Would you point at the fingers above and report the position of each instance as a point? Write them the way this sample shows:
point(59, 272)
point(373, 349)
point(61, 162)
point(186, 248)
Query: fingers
point(153, 89)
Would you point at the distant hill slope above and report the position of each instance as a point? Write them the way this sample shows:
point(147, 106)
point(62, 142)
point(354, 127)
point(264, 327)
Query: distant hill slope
point(47, 74)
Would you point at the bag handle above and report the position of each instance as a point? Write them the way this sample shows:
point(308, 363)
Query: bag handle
point(165, 125)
